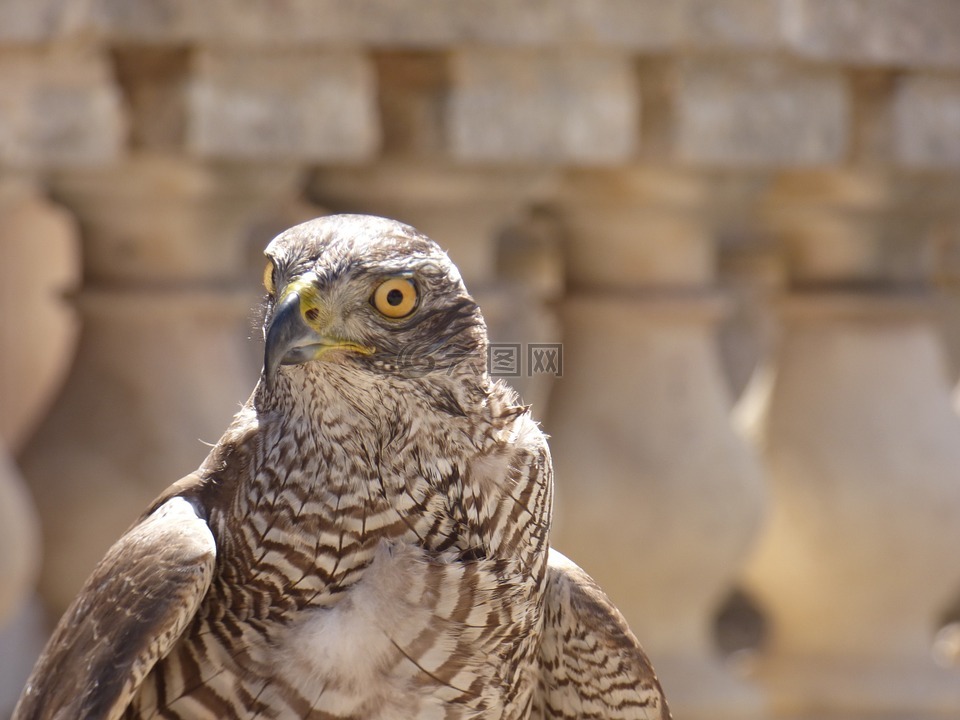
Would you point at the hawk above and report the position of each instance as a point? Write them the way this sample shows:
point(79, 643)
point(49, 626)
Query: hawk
point(368, 539)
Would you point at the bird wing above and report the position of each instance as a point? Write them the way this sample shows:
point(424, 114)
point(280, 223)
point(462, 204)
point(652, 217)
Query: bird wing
point(592, 664)
point(128, 615)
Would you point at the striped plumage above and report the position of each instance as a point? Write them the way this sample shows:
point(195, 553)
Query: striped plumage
point(369, 539)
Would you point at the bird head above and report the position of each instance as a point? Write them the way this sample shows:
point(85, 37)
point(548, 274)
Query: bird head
point(370, 293)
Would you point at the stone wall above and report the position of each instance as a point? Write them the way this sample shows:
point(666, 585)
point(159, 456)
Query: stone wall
point(709, 202)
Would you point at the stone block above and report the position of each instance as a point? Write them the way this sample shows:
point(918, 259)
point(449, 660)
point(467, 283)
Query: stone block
point(761, 113)
point(627, 24)
point(876, 32)
point(303, 105)
point(637, 25)
point(293, 23)
point(732, 24)
point(926, 121)
point(393, 23)
point(59, 108)
point(126, 21)
point(38, 20)
point(544, 106)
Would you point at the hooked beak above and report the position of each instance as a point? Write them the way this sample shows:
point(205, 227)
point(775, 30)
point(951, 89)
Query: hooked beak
point(292, 339)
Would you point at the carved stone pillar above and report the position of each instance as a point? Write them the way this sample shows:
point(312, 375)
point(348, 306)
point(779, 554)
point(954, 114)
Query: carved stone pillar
point(853, 418)
point(167, 352)
point(39, 262)
point(657, 497)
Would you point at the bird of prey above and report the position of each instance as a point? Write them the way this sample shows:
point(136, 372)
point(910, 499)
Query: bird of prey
point(368, 539)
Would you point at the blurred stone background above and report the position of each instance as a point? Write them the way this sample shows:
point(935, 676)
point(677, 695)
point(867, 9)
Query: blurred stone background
point(741, 218)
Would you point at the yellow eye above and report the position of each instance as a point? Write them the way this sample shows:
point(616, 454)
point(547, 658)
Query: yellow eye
point(270, 278)
point(395, 298)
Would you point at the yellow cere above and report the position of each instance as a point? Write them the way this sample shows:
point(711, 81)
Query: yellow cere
point(395, 298)
point(312, 307)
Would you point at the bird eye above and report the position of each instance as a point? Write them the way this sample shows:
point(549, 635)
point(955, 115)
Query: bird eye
point(270, 277)
point(395, 298)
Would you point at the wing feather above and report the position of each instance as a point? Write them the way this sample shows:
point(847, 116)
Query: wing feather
point(593, 666)
point(134, 606)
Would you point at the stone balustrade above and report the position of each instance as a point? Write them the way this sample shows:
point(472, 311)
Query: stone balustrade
point(679, 192)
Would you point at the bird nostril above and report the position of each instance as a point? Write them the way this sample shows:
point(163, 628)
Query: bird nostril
point(312, 314)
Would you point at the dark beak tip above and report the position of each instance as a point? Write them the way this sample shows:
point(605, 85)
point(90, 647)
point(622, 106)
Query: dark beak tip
point(285, 327)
